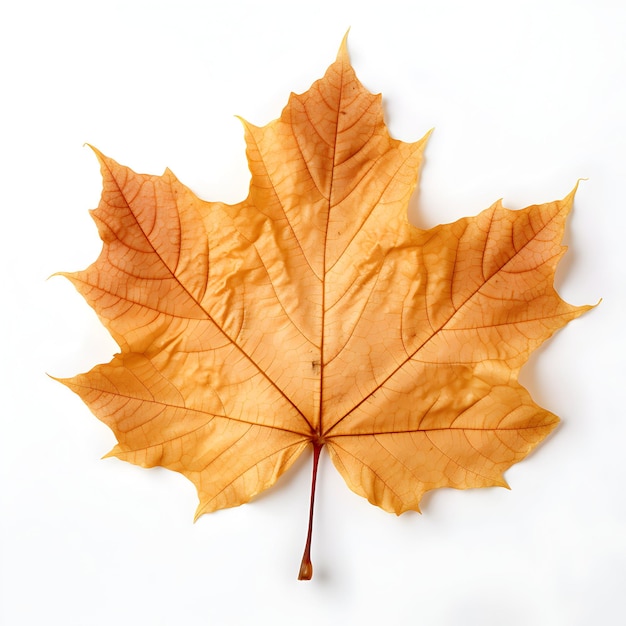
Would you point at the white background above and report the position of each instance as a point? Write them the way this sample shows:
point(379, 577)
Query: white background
point(526, 97)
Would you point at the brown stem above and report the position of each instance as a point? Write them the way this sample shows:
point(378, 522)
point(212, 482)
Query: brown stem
point(306, 568)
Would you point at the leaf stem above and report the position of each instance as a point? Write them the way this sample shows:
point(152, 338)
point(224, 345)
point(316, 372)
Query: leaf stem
point(306, 567)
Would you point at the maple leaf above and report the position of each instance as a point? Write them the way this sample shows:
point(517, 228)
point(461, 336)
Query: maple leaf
point(314, 313)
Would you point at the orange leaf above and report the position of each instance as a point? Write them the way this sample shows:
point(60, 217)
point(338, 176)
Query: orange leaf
point(314, 313)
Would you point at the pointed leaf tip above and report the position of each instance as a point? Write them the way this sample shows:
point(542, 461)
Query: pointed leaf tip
point(342, 54)
point(570, 196)
point(95, 150)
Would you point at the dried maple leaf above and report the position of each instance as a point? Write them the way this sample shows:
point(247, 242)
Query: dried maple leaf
point(314, 313)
